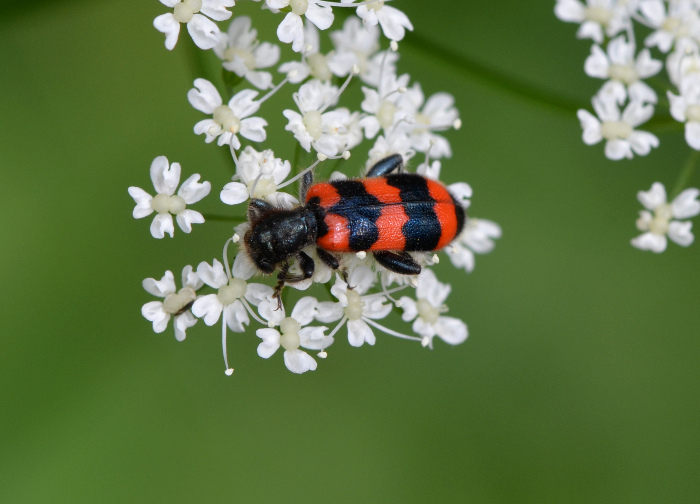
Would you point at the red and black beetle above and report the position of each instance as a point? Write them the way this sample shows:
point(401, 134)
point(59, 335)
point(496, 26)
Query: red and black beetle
point(386, 214)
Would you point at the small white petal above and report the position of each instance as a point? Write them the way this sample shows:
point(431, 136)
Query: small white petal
point(192, 191)
point(204, 32)
point(359, 332)
point(205, 97)
point(270, 342)
point(187, 217)
point(692, 134)
point(182, 322)
point(650, 241)
point(234, 193)
point(451, 330)
point(167, 24)
point(154, 312)
point(143, 200)
point(162, 224)
point(653, 197)
point(208, 308)
point(305, 310)
point(328, 312)
point(686, 204)
point(160, 288)
point(165, 178)
point(298, 361)
point(680, 232)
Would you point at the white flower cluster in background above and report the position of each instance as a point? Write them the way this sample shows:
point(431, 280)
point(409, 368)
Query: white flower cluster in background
point(632, 82)
point(393, 117)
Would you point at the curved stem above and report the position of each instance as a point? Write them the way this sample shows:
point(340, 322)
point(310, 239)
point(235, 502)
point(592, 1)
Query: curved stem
point(464, 64)
point(686, 173)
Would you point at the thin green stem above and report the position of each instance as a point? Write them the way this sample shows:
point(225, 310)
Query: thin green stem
point(686, 173)
point(465, 65)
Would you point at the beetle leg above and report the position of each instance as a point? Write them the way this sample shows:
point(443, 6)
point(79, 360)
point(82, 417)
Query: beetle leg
point(386, 166)
point(400, 263)
point(281, 277)
point(328, 259)
point(332, 262)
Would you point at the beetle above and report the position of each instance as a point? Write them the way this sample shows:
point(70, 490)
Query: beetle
point(386, 214)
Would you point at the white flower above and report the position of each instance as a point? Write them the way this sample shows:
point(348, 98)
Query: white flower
point(175, 303)
point(680, 22)
point(241, 53)
point(291, 334)
point(620, 65)
point(233, 298)
point(227, 120)
point(396, 143)
point(291, 29)
point(260, 174)
point(686, 108)
point(596, 17)
point(437, 113)
point(394, 23)
point(426, 313)
point(203, 31)
point(477, 237)
point(659, 224)
point(357, 44)
point(622, 139)
point(684, 61)
point(383, 105)
point(166, 202)
point(328, 132)
point(352, 307)
point(313, 62)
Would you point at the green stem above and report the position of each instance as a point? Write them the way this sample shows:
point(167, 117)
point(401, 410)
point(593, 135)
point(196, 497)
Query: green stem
point(224, 218)
point(465, 65)
point(686, 173)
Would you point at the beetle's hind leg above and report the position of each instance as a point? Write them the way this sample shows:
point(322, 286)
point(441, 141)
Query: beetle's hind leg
point(386, 166)
point(397, 262)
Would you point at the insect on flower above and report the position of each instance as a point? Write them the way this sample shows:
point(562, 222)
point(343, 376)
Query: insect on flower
point(387, 214)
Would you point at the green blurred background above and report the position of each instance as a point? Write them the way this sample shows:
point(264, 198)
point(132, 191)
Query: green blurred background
point(579, 382)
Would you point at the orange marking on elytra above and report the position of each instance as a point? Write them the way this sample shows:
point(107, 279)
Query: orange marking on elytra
point(338, 236)
point(326, 192)
point(445, 210)
point(385, 193)
point(390, 224)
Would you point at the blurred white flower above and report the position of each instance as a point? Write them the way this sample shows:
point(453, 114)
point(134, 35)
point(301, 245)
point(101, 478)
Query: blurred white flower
point(677, 23)
point(596, 17)
point(619, 65)
point(394, 23)
point(686, 108)
point(476, 238)
point(622, 139)
point(166, 203)
point(659, 224)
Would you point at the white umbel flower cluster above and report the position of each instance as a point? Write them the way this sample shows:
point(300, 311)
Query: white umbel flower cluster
point(394, 120)
point(629, 96)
